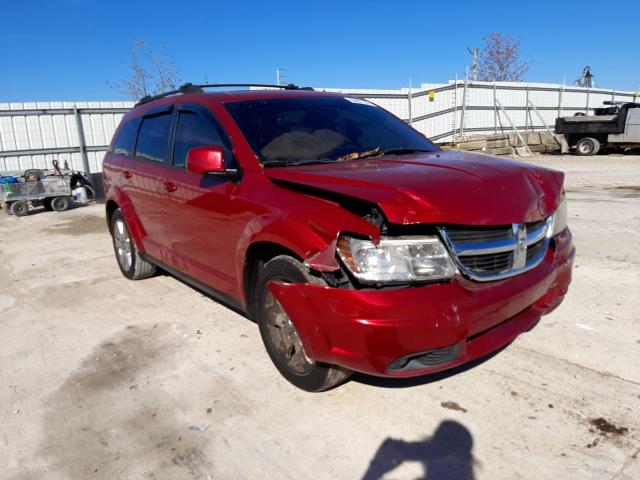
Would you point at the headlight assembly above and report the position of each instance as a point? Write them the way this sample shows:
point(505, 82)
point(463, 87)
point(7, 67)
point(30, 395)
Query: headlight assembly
point(396, 259)
point(560, 217)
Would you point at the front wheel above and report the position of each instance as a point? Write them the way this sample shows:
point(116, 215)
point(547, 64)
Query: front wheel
point(587, 146)
point(20, 208)
point(280, 335)
point(129, 260)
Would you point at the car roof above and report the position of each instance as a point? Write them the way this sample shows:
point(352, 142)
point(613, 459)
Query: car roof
point(240, 95)
point(229, 96)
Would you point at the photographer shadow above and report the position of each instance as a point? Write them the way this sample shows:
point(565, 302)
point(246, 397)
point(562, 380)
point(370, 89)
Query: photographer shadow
point(447, 455)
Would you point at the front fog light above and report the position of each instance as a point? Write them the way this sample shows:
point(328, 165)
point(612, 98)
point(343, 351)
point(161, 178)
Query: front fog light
point(397, 259)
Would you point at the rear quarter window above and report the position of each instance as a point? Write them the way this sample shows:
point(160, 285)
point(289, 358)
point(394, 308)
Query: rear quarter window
point(153, 138)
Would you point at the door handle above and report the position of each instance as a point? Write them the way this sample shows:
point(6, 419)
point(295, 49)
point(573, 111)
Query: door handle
point(170, 187)
point(127, 174)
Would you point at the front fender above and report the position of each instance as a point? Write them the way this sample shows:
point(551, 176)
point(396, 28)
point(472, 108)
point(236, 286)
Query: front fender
point(123, 201)
point(308, 238)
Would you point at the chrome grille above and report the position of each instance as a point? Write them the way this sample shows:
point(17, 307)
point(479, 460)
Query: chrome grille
point(494, 253)
point(491, 263)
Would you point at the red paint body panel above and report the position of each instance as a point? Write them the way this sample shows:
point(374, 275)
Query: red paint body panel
point(366, 330)
point(204, 227)
point(442, 187)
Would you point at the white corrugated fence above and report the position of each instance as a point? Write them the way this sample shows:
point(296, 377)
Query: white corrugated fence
point(33, 134)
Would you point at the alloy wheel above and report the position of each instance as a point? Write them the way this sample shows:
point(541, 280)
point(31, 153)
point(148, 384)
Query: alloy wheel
point(284, 337)
point(122, 243)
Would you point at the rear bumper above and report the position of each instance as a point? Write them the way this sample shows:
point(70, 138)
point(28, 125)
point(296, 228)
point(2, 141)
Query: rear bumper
point(462, 320)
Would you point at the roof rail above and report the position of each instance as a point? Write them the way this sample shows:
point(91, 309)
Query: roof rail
point(191, 88)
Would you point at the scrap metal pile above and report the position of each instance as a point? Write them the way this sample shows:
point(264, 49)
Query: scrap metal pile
point(54, 189)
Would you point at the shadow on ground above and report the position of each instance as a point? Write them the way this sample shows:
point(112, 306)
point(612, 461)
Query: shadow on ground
point(447, 455)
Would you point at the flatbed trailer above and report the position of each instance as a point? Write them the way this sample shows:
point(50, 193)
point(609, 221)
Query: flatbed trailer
point(616, 125)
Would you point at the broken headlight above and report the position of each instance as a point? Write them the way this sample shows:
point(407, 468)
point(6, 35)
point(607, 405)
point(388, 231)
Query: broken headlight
point(560, 217)
point(396, 259)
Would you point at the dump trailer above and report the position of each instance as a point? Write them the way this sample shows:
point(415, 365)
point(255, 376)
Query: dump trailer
point(613, 126)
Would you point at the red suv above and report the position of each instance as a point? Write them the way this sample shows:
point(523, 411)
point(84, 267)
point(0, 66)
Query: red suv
point(353, 241)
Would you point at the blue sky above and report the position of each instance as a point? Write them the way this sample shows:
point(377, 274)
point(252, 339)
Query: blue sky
point(68, 49)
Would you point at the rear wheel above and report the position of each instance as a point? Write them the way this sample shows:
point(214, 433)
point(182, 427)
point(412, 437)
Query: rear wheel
point(280, 336)
point(131, 264)
point(587, 146)
point(20, 208)
point(60, 204)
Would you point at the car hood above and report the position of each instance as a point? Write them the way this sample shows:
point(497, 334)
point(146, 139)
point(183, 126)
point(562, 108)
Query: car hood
point(447, 187)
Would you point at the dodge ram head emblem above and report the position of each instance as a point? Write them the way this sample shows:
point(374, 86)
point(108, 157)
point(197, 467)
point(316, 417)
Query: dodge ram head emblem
point(520, 252)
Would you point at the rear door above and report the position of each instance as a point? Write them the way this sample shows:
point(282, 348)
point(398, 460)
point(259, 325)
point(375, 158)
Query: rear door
point(145, 179)
point(201, 243)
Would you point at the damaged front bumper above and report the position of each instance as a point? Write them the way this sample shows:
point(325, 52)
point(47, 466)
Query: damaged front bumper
point(421, 329)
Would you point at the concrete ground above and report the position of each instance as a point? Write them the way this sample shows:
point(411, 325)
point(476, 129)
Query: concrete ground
point(101, 377)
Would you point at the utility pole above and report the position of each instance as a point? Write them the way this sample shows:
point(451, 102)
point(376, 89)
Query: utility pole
point(474, 65)
point(279, 75)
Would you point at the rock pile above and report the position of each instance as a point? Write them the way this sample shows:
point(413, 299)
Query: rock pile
point(509, 143)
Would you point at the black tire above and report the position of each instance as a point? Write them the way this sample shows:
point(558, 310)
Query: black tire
point(91, 193)
point(60, 204)
point(20, 208)
point(46, 203)
point(128, 257)
point(7, 208)
point(587, 146)
point(312, 376)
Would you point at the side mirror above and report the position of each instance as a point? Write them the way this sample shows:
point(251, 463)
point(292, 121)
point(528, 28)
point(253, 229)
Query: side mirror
point(207, 161)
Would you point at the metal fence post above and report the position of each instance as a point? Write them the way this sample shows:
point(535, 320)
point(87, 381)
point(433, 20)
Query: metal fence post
point(526, 112)
point(464, 101)
point(455, 110)
point(81, 141)
point(586, 109)
point(560, 100)
point(495, 110)
point(409, 104)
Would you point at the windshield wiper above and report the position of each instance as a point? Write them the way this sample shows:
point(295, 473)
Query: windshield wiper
point(286, 163)
point(374, 152)
point(378, 152)
point(404, 151)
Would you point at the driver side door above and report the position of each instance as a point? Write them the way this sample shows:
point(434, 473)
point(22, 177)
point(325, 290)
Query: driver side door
point(197, 221)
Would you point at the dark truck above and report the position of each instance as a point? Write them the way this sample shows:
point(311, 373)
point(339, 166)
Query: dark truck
point(616, 125)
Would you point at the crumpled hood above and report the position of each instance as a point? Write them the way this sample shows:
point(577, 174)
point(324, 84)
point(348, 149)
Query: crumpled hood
point(452, 187)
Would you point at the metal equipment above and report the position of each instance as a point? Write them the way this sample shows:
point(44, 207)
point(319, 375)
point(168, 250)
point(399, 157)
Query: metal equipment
point(54, 189)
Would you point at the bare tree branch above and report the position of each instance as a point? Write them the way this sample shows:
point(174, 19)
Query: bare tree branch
point(500, 60)
point(150, 72)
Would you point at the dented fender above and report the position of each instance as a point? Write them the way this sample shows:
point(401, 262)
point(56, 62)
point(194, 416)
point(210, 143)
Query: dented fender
point(312, 239)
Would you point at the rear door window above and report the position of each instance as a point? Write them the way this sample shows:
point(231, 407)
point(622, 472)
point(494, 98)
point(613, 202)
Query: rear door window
point(193, 130)
point(153, 138)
